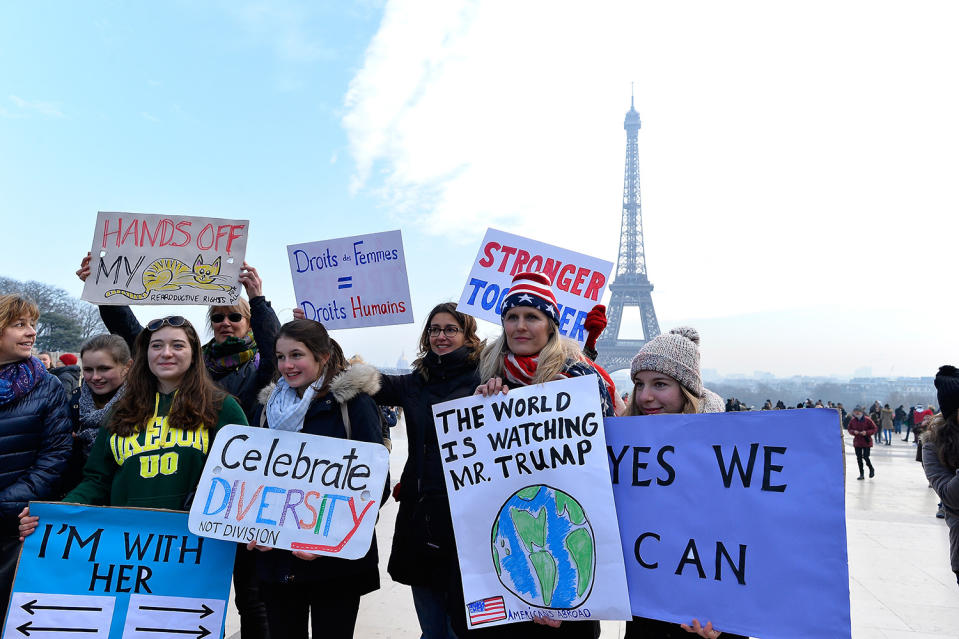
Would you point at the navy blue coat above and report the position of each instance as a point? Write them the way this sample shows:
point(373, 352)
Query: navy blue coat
point(35, 445)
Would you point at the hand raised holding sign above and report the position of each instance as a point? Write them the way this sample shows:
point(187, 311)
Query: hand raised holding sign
point(494, 386)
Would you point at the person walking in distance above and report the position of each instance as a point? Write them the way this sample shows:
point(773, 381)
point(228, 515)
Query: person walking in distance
point(862, 428)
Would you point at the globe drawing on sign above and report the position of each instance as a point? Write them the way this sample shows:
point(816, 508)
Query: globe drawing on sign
point(543, 548)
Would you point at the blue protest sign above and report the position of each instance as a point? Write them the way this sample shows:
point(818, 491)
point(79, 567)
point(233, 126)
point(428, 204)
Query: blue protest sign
point(735, 518)
point(107, 573)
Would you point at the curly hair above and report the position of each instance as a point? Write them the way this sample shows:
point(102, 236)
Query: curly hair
point(197, 401)
point(943, 434)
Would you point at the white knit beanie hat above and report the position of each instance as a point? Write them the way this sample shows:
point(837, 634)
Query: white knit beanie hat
point(676, 354)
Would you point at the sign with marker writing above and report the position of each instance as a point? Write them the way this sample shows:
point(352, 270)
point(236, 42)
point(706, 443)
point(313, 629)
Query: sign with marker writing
point(350, 282)
point(531, 500)
point(578, 281)
point(291, 490)
point(735, 518)
point(107, 573)
point(138, 258)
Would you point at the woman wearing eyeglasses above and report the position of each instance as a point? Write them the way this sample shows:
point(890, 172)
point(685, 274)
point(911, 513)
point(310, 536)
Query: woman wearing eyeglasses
point(152, 447)
point(424, 551)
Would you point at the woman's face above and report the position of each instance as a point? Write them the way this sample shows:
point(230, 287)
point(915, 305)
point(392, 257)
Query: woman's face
point(45, 360)
point(657, 394)
point(231, 323)
point(297, 364)
point(17, 339)
point(169, 356)
point(102, 373)
point(527, 330)
point(441, 343)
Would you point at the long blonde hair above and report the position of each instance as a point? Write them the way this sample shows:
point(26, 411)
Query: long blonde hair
point(552, 358)
point(691, 403)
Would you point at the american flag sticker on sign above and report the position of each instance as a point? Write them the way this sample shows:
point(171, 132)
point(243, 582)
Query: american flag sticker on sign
point(486, 610)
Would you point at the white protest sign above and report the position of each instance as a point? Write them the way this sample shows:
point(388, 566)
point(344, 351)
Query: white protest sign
point(291, 490)
point(532, 504)
point(578, 281)
point(350, 282)
point(138, 258)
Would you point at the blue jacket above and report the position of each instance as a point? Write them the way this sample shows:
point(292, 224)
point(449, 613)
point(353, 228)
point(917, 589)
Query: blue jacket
point(35, 445)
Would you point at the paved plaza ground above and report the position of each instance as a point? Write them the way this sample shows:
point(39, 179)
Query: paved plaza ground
point(900, 583)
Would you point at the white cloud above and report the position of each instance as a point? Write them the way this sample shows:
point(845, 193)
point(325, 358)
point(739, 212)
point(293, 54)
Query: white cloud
point(37, 107)
point(788, 152)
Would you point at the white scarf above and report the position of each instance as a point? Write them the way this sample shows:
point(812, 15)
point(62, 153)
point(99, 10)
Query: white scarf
point(285, 410)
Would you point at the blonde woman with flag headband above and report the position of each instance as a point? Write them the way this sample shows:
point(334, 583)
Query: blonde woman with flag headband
point(532, 351)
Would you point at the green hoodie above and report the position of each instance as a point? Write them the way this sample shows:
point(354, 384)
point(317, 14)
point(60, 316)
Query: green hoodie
point(156, 467)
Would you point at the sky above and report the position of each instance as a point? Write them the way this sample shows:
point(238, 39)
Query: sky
point(797, 160)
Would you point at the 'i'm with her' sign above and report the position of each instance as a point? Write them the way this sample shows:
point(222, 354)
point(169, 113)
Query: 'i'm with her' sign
point(532, 504)
point(578, 280)
point(138, 258)
point(350, 282)
point(291, 490)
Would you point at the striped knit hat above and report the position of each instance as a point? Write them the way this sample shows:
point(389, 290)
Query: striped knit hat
point(675, 354)
point(532, 289)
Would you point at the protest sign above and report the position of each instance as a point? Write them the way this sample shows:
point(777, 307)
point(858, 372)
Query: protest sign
point(578, 281)
point(310, 493)
point(531, 500)
point(352, 281)
point(138, 258)
point(736, 518)
point(106, 573)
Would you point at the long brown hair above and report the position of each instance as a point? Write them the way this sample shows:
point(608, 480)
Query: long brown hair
point(467, 324)
point(943, 434)
point(317, 340)
point(196, 403)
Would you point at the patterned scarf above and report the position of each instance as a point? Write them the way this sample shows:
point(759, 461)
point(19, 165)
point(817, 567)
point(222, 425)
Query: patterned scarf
point(227, 356)
point(520, 369)
point(19, 378)
point(91, 417)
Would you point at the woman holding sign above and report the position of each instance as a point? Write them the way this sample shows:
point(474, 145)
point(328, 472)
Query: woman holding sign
point(666, 380)
point(152, 447)
point(424, 551)
point(238, 365)
point(532, 351)
point(319, 395)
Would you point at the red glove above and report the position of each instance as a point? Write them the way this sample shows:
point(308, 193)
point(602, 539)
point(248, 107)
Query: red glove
point(595, 324)
point(396, 491)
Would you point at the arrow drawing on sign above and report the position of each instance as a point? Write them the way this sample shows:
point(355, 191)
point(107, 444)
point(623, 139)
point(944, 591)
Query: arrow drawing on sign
point(27, 628)
point(205, 611)
point(30, 607)
point(344, 282)
point(202, 632)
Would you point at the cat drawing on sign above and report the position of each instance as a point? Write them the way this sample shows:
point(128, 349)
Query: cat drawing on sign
point(171, 274)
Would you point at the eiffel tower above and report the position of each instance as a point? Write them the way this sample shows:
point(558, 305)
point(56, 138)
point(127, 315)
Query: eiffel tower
point(630, 286)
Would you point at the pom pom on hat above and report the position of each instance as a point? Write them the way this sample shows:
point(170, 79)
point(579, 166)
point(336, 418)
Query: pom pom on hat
point(675, 354)
point(947, 390)
point(68, 359)
point(532, 289)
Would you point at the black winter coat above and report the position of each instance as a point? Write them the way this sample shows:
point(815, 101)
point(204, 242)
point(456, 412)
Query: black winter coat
point(35, 445)
point(424, 550)
point(244, 382)
point(69, 376)
point(331, 574)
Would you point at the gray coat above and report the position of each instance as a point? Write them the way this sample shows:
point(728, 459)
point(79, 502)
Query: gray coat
point(946, 485)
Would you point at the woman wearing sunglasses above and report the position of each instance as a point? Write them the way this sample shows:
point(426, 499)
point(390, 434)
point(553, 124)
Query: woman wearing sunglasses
point(152, 446)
